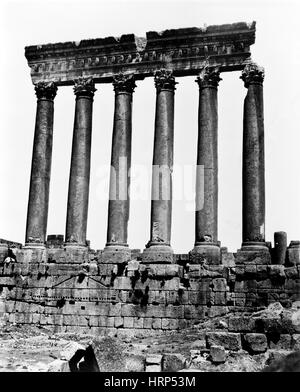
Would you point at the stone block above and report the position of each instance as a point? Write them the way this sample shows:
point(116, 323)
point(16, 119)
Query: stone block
point(216, 311)
point(119, 321)
point(70, 350)
point(169, 323)
point(135, 363)
point(295, 342)
point(217, 354)
point(122, 283)
point(241, 324)
point(228, 340)
point(128, 322)
point(276, 272)
point(138, 322)
point(261, 272)
point(280, 342)
point(153, 359)
point(153, 368)
point(219, 284)
point(293, 254)
point(58, 365)
point(255, 343)
point(156, 323)
point(291, 272)
point(173, 362)
point(253, 257)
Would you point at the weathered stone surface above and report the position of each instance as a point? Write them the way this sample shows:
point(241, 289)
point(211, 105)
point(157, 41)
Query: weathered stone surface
point(135, 363)
point(59, 365)
point(296, 341)
point(70, 350)
point(217, 354)
point(173, 362)
point(102, 58)
point(154, 359)
point(228, 340)
point(153, 368)
point(255, 342)
point(280, 342)
point(241, 324)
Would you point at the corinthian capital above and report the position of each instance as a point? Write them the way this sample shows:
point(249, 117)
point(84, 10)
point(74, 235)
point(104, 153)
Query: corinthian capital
point(44, 90)
point(208, 77)
point(124, 83)
point(164, 79)
point(84, 87)
point(253, 74)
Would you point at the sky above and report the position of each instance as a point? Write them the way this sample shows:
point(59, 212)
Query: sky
point(277, 49)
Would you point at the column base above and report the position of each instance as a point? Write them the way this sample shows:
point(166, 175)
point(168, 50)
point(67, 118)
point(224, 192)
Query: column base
point(206, 253)
point(254, 245)
point(34, 245)
point(117, 253)
point(253, 252)
point(158, 253)
point(74, 245)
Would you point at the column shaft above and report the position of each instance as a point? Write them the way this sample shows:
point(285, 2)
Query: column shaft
point(207, 160)
point(37, 212)
point(253, 158)
point(206, 216)
point(118, 207)
point(78, 196)
point(161, 203)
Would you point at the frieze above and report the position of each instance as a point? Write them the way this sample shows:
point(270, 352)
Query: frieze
point(184, 51)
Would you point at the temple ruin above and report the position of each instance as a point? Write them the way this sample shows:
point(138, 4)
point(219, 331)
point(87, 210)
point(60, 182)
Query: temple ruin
point(60, 282)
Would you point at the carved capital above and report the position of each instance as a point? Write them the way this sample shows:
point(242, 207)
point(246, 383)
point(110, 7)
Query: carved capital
point(208, 77)
point(84, 87)
point(44, 90)
point(252, 74)
point(124, 83)
point(164, 79)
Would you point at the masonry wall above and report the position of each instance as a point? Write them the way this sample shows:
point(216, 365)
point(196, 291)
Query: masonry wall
point(75, 291)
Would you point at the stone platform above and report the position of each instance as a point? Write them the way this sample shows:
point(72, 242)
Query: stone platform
point(71, 290)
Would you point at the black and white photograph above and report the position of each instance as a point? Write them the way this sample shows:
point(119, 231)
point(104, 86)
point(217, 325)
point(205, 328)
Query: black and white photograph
point(150, 189)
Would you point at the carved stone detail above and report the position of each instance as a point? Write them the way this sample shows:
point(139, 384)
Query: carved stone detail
point(164, 79)
point(84, 87)
point(208, 77)
point(124, 83)
point(44, 90)
point(253, 74)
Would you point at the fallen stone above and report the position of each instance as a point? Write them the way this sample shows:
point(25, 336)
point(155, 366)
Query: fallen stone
point(135, 363)
point(153, 368)
point(228, 340)
point(255, 343)
point(217, 354)
point(154, 359)
point(173, 362)
point(70, 350)
point(59, 365)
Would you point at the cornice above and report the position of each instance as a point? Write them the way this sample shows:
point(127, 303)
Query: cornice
point(184, 51)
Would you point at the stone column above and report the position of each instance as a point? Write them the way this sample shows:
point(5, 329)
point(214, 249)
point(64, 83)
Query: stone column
point(158, 248)
point(37, 212)
point(118, 207)
point(206, 217)
point(253, 160)
point(77, 210)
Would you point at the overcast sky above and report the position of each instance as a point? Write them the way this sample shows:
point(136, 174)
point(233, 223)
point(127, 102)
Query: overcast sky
point(277, 48)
